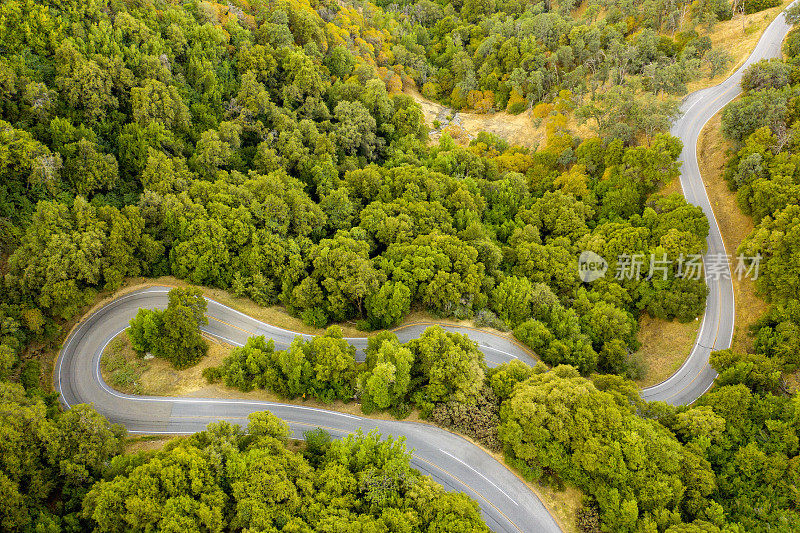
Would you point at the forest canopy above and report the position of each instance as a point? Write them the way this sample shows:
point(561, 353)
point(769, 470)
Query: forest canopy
point(265, 151)
point(277, 150)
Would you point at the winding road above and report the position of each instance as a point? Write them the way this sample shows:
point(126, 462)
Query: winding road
point(716, 332)
point(507, 504)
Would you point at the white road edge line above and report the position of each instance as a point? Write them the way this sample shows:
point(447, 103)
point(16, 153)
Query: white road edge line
point(188, 400)
point(484, 477)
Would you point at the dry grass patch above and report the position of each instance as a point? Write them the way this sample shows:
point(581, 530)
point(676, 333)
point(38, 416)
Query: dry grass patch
point(123, 369)
point(419, 316)
point(147, 443)
point(520, 130)
point(665, 346)
point(792, 383)
point(562, 505)
point(733, 224)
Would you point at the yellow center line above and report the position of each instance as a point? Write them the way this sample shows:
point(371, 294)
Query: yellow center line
point(719, 314)
point(472, 489)
point(249, 333)
point(719, 324)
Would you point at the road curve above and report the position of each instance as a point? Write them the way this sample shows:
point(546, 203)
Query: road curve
point(716, 332)
point(507, 504)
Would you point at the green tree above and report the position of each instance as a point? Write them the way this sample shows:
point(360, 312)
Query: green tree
point(387, 306)
point(344, 273)
point(594, 447)
point(49, 460)
point(756, 371)
point(777, 240)
point(387, 380)
point(451, 365)
point(83, 82)
point(441, 271)
point(340, 62)
point(211, 154)
point(333, 365)
point(511, 300)
point(145, 330)
point(87, 169)
point(253, 96)
point(356, 130)
point(182, 342)
point(162, 103)
point(765, 74)
point(68, 252)
point(173, 333)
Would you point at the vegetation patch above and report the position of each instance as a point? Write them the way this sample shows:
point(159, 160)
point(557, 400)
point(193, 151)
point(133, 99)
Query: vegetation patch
point(268, 149)
point(122, 367)
point(665, 345)
point(127, 371)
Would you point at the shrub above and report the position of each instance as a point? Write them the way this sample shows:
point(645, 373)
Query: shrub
point(29, 376)
point(516, 103)
point(317, 443)
point(754, 6)
point(486, 319)
point(212, 374)
point(478, 421)
point(314, 317)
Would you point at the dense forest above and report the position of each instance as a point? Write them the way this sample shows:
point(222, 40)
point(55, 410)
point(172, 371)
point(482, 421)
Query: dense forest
point(74, 478)
point(291, 175)
point(272, 149)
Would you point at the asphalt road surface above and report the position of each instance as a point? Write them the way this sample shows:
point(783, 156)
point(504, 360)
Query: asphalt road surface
point(506, 503)
point(716, 332)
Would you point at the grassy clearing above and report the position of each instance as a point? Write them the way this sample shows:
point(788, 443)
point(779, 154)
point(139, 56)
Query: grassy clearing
point(520, 130)
point(665, 346)
point(562, 505)
point(733, 224)
point(147, 443)
point(121, 367)
point(127, 372)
